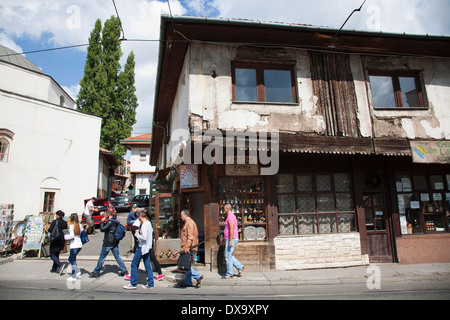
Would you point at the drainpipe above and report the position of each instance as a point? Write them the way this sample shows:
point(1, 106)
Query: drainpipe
point(367, 83)
point(165, 135)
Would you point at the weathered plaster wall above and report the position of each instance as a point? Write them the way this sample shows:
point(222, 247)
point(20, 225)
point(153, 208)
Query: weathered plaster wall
point(210, 95)
point(430, 123)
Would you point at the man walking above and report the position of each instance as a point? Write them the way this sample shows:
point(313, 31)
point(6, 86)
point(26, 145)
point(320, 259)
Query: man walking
point(231, 237)
point(145, 237)
point(189, 238)
point(108, 225)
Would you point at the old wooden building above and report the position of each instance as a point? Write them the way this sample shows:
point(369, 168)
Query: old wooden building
point(332, 147)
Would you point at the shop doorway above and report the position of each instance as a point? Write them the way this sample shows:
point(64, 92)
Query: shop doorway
point(377, 226)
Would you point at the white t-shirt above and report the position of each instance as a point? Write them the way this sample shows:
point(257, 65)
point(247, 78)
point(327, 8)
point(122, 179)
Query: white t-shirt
point(145, 237)
point(86, 209)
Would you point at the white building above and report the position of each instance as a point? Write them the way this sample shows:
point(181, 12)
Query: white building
point(140, 170)
point(49, 151)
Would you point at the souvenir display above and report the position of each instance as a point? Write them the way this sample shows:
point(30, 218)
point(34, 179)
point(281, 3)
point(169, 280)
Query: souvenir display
point(6, 227)
point(247, 198)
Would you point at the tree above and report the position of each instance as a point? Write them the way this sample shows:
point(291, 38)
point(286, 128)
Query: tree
point(105, 90)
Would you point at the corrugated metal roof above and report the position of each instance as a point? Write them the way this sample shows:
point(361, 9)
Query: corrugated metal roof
point(13, 57)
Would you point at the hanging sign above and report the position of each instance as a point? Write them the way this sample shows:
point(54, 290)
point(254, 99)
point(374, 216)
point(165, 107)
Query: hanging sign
point(189, 177)
point(430, 151)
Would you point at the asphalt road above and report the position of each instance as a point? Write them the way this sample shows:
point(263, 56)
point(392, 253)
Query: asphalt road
point(42, 290)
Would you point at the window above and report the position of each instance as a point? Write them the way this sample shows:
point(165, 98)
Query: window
point(142, 155)
point(320, 203)
point(4, 150)
point(423, 203)
point(263, 83)
point(49, 202)
point(396, 90)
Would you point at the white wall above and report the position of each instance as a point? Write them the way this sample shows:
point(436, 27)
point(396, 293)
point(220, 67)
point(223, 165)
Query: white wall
point(32, 84)
point(53, 148)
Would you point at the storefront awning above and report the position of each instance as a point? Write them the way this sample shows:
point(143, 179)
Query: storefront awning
point(344, 145)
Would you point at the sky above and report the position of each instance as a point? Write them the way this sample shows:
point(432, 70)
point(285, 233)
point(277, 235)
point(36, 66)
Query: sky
point(29, 25)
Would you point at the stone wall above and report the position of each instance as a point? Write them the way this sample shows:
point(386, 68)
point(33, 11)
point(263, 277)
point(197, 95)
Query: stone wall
point(318, 251)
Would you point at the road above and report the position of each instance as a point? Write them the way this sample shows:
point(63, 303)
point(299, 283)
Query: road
point(38, 289)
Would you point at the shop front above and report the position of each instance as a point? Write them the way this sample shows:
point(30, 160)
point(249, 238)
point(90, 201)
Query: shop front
point(319, 211)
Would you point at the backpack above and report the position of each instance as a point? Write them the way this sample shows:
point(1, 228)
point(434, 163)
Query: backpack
point(119, 234)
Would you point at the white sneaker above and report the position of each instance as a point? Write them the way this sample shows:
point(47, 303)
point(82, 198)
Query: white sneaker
point(146, 286)
point(129, 287)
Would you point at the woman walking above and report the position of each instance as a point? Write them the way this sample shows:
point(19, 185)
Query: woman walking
point(57, 244)
point(73, 234)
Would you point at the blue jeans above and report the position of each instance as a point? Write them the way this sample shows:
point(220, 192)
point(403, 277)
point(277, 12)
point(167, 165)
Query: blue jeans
point(134, 267)
point(73, 260)
point(104, 253)
point(191, 273)
point(230, 259)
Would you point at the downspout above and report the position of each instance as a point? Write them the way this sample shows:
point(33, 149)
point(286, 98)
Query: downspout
point(367, 83)
point(165, 147)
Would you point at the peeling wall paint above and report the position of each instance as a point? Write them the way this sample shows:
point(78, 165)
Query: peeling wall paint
point(209, 95)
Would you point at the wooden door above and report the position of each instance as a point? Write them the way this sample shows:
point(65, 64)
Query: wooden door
point(377, 226)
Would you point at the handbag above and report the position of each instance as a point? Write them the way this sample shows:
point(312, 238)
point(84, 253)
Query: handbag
point(184, 261)
point(84, 237)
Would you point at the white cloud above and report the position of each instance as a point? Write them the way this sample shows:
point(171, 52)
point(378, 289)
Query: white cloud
point(72, 90)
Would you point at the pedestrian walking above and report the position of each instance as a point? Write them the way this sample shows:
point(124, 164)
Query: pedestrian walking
point(73, 234)
point(189, 238)
point(57, 244)
point(108, 225)
point(136, 225)
point(144, 235)
point(131, 220)
point(231, 237)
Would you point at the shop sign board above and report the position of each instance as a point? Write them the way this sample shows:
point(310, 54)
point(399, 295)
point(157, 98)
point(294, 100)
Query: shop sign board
point(242, 166)
point(189, 176)
point(430, 151)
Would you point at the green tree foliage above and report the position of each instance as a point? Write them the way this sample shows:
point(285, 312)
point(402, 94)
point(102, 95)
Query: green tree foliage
point(105, 90)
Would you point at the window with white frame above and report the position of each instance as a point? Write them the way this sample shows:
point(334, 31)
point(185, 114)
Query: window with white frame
point(4, 149)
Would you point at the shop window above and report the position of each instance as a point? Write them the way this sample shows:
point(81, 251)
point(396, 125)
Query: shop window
point(396, 90)
point(423, 203)
point(309, 204)
point(247, 198)
point(253, 82)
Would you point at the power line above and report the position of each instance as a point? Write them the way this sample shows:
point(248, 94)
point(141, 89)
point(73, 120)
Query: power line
point(120, 22)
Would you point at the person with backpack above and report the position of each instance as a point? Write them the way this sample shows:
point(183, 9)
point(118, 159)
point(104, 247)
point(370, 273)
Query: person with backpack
point(114, 232)
point(56, 236)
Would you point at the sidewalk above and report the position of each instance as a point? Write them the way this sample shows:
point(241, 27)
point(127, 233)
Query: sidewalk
point(13, 268)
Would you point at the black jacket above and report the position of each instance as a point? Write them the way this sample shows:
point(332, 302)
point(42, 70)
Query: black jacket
point(58, 244)
point(109, 227)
